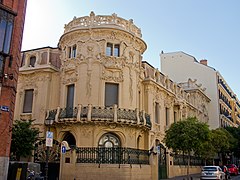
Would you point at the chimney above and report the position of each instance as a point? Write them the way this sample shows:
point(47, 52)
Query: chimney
point(204, 62)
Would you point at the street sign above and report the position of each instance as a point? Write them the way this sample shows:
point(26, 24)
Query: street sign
point(4, 108)
point(49, 139)
point(63, 149)
point(158, 149)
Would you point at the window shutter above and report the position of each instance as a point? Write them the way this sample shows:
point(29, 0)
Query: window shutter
point(70, 96)
point(28, 101)
point(111, 94)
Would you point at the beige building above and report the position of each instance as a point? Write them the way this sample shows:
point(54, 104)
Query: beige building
point(110, 107)
point(224, 105)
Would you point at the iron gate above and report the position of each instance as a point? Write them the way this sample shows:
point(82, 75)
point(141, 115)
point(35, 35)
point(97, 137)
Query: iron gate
point(162, 162)
point(40, 153)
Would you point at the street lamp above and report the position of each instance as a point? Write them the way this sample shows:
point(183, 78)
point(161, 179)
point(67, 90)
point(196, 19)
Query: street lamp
point(49, 137)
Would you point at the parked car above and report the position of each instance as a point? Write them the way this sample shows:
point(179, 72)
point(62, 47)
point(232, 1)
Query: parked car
point(212, 172)
point(225, 170)
point(233, 169)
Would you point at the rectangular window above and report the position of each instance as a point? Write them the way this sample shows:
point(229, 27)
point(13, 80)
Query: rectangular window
point(70, 96)
point(113, 50)
point(109, 49)
point(74, 51)
point(6, 27)
point(69, 52)
point(111, 94)
point(167, 116)
point(157, 113)
point(175, 116)
point(116, 50)
point(1, 66)
point(28, 101)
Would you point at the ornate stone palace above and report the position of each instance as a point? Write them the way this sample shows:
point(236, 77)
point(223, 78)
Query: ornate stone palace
point(110, 107)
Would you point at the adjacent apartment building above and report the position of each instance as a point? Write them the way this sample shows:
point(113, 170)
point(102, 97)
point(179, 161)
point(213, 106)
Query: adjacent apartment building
point(111, 108)
point(224, 109)
point(12, 15)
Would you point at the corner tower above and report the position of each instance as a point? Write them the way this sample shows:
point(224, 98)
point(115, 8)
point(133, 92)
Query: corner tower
point(102, 56)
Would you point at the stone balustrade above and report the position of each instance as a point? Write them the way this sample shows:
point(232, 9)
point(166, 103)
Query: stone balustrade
point(98, 21)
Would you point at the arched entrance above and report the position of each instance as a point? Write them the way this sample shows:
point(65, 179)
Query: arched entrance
point(40, 153)
point(109, 151)
point(70, 139)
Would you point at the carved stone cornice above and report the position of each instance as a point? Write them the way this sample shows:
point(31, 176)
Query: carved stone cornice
point(99, 21)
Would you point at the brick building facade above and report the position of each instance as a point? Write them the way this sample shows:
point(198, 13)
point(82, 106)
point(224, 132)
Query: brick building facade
point(12, 16)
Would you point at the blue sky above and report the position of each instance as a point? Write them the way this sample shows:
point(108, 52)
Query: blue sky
point(205, 29)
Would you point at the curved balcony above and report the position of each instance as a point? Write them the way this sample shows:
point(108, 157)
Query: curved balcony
point(100, 114)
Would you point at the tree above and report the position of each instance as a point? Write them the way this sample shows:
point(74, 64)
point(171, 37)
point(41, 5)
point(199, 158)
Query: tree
point(235, 148)
point(220, 141)
point(23, 139)
point(186, 136)
point(206, 150)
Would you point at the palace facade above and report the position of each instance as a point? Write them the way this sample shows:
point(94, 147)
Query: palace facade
point(108, 107)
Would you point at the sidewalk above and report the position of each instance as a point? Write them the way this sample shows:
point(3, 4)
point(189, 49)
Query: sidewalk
point(192, 177)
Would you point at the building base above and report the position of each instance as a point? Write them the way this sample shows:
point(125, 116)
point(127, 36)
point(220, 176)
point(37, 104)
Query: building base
point(4, 162)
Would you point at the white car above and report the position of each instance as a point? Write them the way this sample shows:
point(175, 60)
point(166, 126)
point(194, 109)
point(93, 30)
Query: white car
point(212, 172)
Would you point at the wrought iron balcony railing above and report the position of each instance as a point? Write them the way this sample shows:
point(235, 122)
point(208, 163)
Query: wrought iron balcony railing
point(94, 113)
point(119, 155)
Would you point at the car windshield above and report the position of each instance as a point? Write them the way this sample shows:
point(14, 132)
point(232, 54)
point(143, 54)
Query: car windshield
point(210, 169)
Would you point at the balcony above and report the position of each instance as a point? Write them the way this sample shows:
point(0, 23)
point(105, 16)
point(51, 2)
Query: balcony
point(119, 155)
point(225, 101)
point(225, 87)
point(100, 114)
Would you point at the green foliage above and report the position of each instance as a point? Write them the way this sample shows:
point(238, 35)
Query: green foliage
point(23, 139)
point(222, 140)
point(219, 141)
point(187, 135)
point(235, 145)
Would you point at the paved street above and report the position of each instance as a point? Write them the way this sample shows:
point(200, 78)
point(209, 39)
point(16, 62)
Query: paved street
point(197, 177)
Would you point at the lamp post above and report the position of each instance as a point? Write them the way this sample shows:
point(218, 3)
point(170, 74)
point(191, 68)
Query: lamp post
point(49, 139)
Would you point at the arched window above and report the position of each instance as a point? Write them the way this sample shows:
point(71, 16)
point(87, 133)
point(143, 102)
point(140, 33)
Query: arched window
point(70, 139)
point(138, 141)
point(109, 140)
point(32, 61)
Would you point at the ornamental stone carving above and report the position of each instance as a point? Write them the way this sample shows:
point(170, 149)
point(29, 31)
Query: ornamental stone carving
point(69, 77)
point(88, 49)
point(113, 62)
point(112, 75)
point(86, 131)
